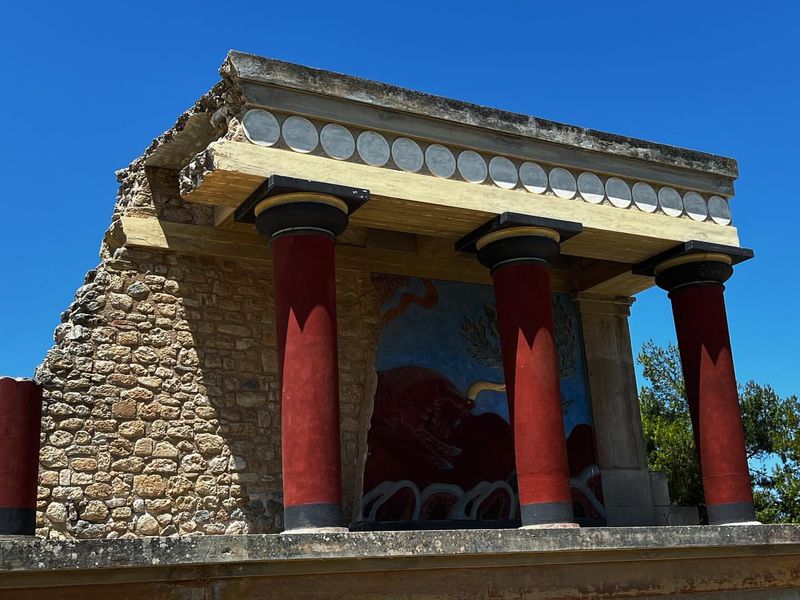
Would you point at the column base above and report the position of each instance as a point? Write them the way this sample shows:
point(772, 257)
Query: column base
point(731, 514)
point(303, 530)
point(17, 521)
point(547, 515)
point(552, 526)
point(322, 518)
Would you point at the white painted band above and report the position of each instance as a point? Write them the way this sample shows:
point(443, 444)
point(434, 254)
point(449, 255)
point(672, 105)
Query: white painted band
point(300, 197)
point(692, 258)
point(513, 232)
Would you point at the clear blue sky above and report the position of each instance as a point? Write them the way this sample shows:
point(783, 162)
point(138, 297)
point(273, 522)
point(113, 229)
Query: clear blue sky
point(86, 87)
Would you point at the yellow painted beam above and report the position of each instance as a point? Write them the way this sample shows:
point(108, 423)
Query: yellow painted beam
point(228, 172)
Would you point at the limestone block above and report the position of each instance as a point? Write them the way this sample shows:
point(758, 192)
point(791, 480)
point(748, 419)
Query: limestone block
point(159, 506)
point(179, 486)
point(120, 302)
point(121, 380)
point(165, 450)
point(137, 394)
point(138, 290)
point(120, 447)
point(149, 486)
point(48, 478)
point(128, 338)
point(133, 464)
point(133, 429)
point(193, 463)
point(206, 485)
point(147, 525)
point(209, 444)
point(99, 490)
point(124, 410)
point(65, 493)
point(143, 447)
point(95, 511)
point(165, 466)
point(84, 464)
point(57, 512)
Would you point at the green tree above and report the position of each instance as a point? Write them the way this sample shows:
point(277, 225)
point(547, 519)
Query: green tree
point(772, 437)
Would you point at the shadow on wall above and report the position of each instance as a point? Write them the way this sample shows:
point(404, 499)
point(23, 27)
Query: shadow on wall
point(228, 309)
point(161, 413)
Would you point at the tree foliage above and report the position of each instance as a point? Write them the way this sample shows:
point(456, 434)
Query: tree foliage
point(772, 437)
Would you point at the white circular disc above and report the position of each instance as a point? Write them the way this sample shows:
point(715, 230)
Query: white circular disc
point(720, 210)
point(503, 172)
point(695, 206)
point(440, 161)
point(644, 196)
point(533, 177)
point(261, 127)
point(591, 188)
point(337, 141)
point(619, 193)
point(373, 148)
point(407, 154)
point(562, 182)
point(472, 166)
point(300, 134)
point(670, 202)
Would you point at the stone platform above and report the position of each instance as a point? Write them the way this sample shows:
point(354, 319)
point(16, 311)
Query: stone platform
point(741, 562)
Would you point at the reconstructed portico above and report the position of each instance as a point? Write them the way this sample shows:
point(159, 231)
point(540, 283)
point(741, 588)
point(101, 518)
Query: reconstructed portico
point(339, 310)
point(592, 212)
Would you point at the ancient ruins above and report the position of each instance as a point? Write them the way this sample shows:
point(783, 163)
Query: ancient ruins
point(328, 305)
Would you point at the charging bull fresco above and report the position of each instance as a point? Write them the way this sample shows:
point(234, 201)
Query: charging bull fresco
point(440, 445)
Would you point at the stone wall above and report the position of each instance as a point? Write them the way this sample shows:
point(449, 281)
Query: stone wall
point(162, 412)
point(162, 407)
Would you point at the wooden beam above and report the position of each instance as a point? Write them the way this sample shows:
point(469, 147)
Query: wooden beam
point(156, 234)
point(147, 232)
point(227, 172)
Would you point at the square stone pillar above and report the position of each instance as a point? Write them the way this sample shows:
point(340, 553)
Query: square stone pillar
point(622, 459)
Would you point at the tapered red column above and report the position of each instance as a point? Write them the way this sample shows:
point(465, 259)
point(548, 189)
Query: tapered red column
point(695, 286)
point(518, 257)
point(20, 423)
point(302, 227)
point(305, 310)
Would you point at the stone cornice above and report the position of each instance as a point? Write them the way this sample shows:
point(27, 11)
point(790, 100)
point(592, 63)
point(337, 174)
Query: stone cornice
point(250, 68)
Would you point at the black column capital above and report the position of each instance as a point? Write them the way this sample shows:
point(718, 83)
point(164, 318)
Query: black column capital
point(513, 238)
point(693, 263)
point(286, 205)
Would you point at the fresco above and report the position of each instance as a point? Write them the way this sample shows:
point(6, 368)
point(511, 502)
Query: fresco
point(440, 444)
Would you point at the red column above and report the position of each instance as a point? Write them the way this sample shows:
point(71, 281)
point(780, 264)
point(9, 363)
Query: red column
point(530, 364)
point(20, 423)
point(518, 249)
point(301, 219)
point(305, 305)
point(702, 330)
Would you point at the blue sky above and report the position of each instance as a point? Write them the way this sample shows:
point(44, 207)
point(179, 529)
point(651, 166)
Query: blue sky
point(87, 86)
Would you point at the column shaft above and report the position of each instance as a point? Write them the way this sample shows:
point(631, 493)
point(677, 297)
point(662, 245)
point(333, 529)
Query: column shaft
point(20, 423)
point(704, 342)
point(530, 363)
point(305, 304)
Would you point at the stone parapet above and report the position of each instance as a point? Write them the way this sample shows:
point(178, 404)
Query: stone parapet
point(742, 562)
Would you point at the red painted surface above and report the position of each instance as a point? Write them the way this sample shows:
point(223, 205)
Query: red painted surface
point(530, 364)
point(422, 431)
point(20, 423)
point(305, 304)
point(705, 349)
